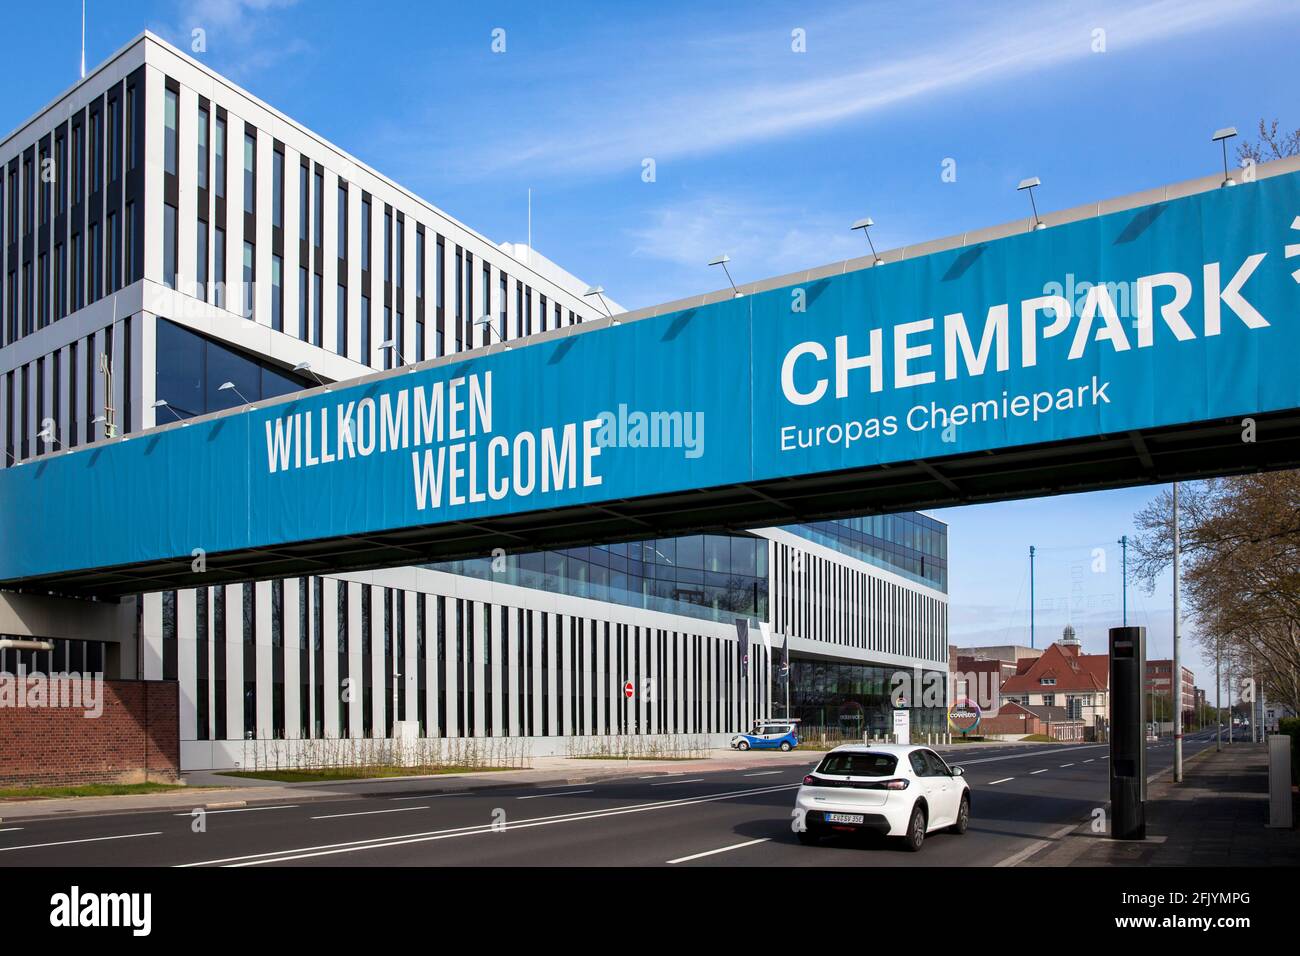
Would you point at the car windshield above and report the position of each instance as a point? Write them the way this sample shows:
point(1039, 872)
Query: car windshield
point(858, 765)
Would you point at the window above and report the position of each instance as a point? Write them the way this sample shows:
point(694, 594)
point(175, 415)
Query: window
point(364, 319)
point(401, 253)
point(388, 337)
point(858, 765)
point(131, 245)
point(341, 328)
point(277, 293)
point(438, 273)
point(115, 141)
point(219, 268)
point(78, 162)
point(115, 252)
point(60, 171)
point(96, 153)
point(190, 380)
point(250, 172)
point(201, 263)
point(342, 239)
point(43, 165)
point(502, 285)
point(304, 206)
point(132, 112)
point(419, 264)
point(317, 210)
point(203, 147)
point(318, 324)
point(365, 241)
point(219, 144)
point(302, 303)
point(169, 245)
point(388, 245)
point(277, 189)
point(248, 280)
point(169, 133)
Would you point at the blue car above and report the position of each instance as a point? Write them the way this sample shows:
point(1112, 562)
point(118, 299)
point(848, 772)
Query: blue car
point(769, 735)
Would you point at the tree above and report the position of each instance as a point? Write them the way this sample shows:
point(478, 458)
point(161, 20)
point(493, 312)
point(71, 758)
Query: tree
point(1240, 541)
point(1270, 145)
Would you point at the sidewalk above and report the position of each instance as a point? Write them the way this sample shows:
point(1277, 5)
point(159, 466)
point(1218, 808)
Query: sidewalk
point(212, 790)
point(1217, 816)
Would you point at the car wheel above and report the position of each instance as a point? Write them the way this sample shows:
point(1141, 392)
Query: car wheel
point(743, 745)
point(785, 745)
point(963, 816)
point(916, 829)
point(808, 839)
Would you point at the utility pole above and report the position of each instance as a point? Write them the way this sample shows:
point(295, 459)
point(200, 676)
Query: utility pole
point(1218, 694)
point(1031, 596)
point(1178, 669)
point(83, 39)
point(1123, 564)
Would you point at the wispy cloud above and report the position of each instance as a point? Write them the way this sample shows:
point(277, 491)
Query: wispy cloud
point(763, 239)
point(717, 92)
point(242, 37)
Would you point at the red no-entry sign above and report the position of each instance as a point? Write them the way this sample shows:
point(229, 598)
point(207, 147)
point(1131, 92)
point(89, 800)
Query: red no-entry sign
point(627, 690)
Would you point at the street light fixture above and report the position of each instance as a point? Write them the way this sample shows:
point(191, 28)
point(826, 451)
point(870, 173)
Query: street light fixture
point(47, 435)
point(1029, 184)
point(865, 225)
point(230, 387)
point(485, 322)
point(1222, 136)
point(391, 345)
point(599, 292)
point(109, 430)
point(722, 261)
point(162, 403)
point(306, 367)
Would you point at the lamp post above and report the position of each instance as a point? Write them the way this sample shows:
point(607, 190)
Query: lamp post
point(1028, 185)
point(1222, 136)
point(865, 224)
point(722, 261)
point(1178, 671)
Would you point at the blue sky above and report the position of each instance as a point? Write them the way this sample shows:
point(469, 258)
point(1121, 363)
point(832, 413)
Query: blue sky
point(760, 152)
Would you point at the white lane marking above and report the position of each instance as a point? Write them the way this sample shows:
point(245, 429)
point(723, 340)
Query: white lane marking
point(377, 843)
point(1033, 753)
point(285, 806)
point(1003, 780)
point(1089, 760)
point(1021, 855)
point(725, 849)
point(1032, 772)
point(673, 783)
point(10, 830)
point(761, 773)
point(567, 793)
point(1064, 765)
point(431, 796)
point(38, 846)
point(366, 813)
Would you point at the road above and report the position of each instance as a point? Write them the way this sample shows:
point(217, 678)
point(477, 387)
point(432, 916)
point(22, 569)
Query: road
point(1022, 795)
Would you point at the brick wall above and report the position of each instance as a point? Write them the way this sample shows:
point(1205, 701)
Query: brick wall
point(136, 738)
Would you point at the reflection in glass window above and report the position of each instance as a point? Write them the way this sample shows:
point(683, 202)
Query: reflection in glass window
point(191, 370)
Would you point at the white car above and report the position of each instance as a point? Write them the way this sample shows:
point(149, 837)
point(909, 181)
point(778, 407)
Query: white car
point(887, 789)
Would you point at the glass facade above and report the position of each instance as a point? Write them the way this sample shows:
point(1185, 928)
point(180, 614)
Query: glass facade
point(850, 699)
point(192, 369)
point(711, 576)
point(912, 545)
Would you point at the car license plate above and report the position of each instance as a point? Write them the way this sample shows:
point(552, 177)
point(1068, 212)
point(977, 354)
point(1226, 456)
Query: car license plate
point(843, 818)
